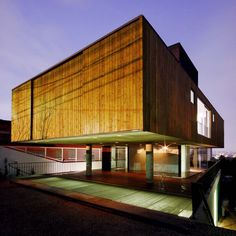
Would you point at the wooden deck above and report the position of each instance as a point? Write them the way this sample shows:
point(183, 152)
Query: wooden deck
point(162, 183)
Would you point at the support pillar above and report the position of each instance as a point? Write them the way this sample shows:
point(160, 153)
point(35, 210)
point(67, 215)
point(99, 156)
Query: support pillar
point(149, 163)
point(195, 158)
point(106, 158)
point(185, 159)
point(88, 157)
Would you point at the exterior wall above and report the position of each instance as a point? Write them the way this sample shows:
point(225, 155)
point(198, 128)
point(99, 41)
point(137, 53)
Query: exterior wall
point(40, 165)
point(166, 162)
point(5, 131)
point(167, 107)
point(213, 199)
point(21, 112)
point(162, 162)
point(137, 158)
point(128, 80)
point(98, 90)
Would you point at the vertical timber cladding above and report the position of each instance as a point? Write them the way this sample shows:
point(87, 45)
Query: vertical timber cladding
point(21, 113)
point(166, 94)
point(167, 109)
point(98, 90)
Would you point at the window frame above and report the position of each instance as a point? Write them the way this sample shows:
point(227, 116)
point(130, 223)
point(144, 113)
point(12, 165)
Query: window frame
point(192, 96)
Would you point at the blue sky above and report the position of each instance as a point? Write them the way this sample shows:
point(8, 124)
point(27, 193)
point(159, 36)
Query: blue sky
point(37, 34)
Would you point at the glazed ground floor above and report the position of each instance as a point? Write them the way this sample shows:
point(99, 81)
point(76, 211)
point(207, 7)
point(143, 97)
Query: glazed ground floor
point(152, 159)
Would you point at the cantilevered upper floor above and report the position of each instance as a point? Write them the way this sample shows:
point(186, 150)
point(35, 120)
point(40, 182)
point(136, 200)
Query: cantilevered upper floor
point(126, 87)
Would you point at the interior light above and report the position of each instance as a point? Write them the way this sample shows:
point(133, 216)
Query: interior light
point(164, 148)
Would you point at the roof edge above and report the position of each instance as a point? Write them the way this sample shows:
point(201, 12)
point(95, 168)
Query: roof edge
point(81, 50)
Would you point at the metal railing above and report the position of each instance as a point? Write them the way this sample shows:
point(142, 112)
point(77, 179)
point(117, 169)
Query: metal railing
point(60, 154)
point(201, 188)
point(31, 168)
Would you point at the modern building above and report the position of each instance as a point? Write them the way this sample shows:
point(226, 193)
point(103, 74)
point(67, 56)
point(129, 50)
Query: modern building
point(5, 131)
point(128, 94)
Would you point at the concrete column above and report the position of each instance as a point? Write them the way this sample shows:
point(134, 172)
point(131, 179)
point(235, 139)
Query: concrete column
point(62, 154)
point(185, 159)
point(149, 163)
point(126, 159)
point(88, 157)
point(195, 158)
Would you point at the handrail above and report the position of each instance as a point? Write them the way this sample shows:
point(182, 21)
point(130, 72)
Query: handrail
point(18, 170)
point(49, 167)
point(30, 168)
point(60, 160)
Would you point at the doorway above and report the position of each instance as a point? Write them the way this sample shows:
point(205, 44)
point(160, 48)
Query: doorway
point(120, 161)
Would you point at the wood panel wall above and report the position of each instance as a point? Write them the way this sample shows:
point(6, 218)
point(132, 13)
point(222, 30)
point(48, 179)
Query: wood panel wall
point(21, 112)
point(97, 91)
point(128, 80)
point(167, 107)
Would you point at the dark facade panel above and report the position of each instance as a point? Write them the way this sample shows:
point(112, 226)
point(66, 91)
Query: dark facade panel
point(5, 131)
point(167, 85)
point(182, 57)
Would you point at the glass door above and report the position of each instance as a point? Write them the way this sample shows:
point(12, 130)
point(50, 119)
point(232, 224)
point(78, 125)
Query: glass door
point(121, 157)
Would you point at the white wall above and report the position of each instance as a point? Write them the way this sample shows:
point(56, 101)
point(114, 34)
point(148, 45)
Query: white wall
point(39, 164)
point(213, 200)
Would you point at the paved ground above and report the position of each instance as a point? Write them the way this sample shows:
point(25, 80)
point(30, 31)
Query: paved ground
point(175, 205)
point(28, 212)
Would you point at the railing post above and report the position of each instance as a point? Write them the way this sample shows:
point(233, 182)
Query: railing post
point(62, 153)
point(76, 154)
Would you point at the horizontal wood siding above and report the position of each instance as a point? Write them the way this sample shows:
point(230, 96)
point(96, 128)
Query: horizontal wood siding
point(21, 113)
point(167, 107)
point(97, 91)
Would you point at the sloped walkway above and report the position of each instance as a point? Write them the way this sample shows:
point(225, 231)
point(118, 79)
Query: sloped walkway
point(174, 205)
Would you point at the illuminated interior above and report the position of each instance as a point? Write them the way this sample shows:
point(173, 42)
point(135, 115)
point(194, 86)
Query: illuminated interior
point(203, 119)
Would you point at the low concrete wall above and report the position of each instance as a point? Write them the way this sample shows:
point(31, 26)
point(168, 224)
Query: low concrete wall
point(212, 199)
point(39, 165)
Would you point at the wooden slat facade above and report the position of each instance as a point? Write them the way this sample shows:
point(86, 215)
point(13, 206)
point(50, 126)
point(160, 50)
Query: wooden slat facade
point(97, 91)
point(128, 80)
point(21, 112)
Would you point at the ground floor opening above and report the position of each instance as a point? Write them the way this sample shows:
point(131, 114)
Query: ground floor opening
point(153, 159)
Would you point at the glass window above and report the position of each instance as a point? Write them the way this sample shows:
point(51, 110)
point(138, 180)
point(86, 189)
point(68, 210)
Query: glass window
point(203, 119)
point(192, 96)
point(213, 117)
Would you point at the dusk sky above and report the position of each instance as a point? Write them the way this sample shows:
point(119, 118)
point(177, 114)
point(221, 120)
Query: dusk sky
point(37, 34)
